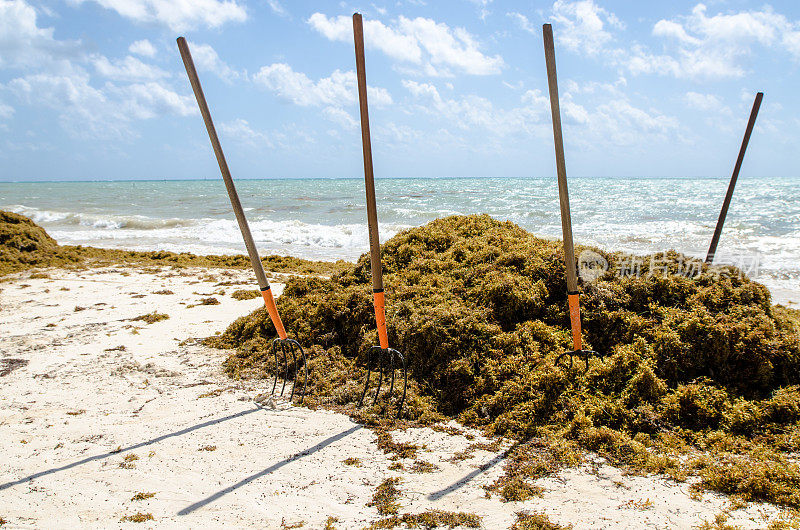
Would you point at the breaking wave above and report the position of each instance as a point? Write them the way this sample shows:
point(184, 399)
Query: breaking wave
point(100, 221)
point(206, 235)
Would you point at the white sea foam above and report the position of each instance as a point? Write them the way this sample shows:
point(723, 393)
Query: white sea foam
point(204, 236)
point(99, 221)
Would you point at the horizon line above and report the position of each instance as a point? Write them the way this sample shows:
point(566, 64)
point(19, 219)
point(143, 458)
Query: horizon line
point(198, 179)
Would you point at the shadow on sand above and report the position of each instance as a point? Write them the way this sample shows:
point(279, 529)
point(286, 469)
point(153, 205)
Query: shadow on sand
point(436, 495)
point(274, 467)
point(208, 423)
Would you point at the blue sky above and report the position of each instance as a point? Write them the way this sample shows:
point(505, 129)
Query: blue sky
point(95, 89)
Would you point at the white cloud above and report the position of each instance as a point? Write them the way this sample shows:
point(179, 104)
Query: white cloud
point(522, 21)
point(627, 123)
point(88, 112)
point(298, 88)
point(23, 43)
point(668, 28)
point(607, 116)
point(337, 28)
point(762, 26)
point(696, 45)
point(434, 47)
point(791, 41)
point(572, 112)
point(376, 35)
point(641, 61)
point(451, 48)
point(483, 8)
point(583, 25)
point(55, 79)
point(239, 129)
point(699, 101)
point(142, 47)
point(128, 69)
point(472, 112)
point(594, 87)
point(337, 90)
point(206, 59)
point(614, 121)
point(81, 107)
point(6, 111)
point(714, 47)
point(64, 89)
point(177, 15)
point(332, 93)
point(422, 89)
point(340, 116)
point(277, 8)
point(151, 100)
point(400, 134)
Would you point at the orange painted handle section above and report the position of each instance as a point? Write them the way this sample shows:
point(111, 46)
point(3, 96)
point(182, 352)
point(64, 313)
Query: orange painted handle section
point(380, 319)
point(575, 320)
point(269, 301)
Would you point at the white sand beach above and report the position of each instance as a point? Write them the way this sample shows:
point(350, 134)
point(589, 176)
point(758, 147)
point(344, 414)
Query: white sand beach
point(97, 408)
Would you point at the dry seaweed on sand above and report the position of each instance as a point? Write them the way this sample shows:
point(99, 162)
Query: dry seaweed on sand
point(422, 466)
point(429, 519)
point(138, 517)
point(143, 496)
point(385, 500)
point(204, 301)
point(151, 318)
point(441, 519)
point(245, 294)
point(693, 365)
point(528, 461)
point(535, 521)
point(385, 497)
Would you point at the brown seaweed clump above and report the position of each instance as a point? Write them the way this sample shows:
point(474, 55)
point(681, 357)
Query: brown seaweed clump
point(24, 244)
point(695, 361)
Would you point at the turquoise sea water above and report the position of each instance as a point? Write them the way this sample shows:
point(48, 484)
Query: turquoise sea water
point(325, 218)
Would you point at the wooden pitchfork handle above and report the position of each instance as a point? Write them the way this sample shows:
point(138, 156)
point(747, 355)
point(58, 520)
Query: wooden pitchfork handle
point(563, 193)
point(712, 248)
point(369, 181)
point(255, 261)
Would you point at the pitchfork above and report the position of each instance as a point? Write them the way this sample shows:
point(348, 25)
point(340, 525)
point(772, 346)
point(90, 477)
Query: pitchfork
point(383, 351)
point(566, 220)
point(282, 345)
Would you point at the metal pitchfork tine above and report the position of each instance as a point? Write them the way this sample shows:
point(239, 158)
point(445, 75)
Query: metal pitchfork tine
point(282, 344)
point(374, 242)
point(566, 219)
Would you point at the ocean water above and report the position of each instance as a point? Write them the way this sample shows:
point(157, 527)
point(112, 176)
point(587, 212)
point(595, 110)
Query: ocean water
point(325, 218)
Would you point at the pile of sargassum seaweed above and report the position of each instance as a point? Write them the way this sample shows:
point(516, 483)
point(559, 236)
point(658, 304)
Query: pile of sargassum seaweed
point(698, 371)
